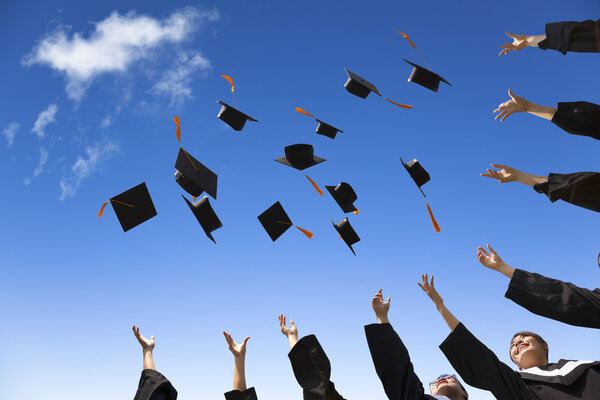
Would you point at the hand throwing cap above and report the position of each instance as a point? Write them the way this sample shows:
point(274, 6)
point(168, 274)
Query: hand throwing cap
point(347, 233)
point(233, 117)
point(344, 195)
point(205, 215)
point(425, 77)
point(133, 206)
point(359, 86)
point(300, 156)
point(275, 221)
point(417, 172)
point(327, 130)
point(193, 176)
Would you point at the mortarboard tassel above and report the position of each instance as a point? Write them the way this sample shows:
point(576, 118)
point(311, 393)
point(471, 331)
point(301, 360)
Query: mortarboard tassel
point(298, 109)
point(232, 86)
point(315, 185)
point(436, 226)
point(102, 209)
point(115, 201)
point(307, 233)
point(399, 105)
point(355, 212)
point(178, 131)
point(415, 47)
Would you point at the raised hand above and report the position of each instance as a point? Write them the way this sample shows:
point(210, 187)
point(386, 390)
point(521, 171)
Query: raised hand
point(519, 43)
point(237, 349)
point(380, 307)
point(514, 105)
point(493, 261)
point(505, 173)
point(429, 288)
point(292, 330)
point(147, 344)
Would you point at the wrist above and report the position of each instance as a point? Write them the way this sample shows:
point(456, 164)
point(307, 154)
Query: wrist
point(382, 319)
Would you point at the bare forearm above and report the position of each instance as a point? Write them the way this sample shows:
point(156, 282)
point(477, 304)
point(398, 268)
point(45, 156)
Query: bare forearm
point(239, 374)
point(450, 319)
point(534, 40)
point(506, 270)
point(148, 360)
point(540, 111)
point(530, 179)
point(293, 339)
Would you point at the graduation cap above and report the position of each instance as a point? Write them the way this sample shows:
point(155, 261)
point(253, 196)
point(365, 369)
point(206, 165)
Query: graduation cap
point(347, 233)
point(323, 128)
point(230, 115)
point(300, 156)
point(361, 88)
point(205, 215)
point(420, 177)
point(422, 76)
point(193, 176)
point(344, 195)
point(132, 207)
point(276, 221)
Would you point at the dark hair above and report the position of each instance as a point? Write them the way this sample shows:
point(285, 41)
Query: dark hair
point(537, 337)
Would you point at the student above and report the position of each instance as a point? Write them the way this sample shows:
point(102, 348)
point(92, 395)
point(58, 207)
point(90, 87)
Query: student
point(565, 36)
point(153, 385)
point(576, 117)
point(551, 298)
point(239, 392)
point(537, 379)
point(310, 364)
point(393, 365)
point(579, 188)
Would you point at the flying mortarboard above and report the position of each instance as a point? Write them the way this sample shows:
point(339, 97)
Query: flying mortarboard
point(230, 115)
point(361, 88)
point(193, 176)
point(205, 215)
point(422, 76)
point(300, 156)
point(344, 195)
point(132, 207)
point(420, 177)
point(276, 221)
point(347, 233)
point(323, 128)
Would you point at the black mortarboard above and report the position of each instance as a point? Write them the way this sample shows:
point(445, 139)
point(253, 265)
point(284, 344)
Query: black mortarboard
point(327, 130)
point(416, 172)
point(347, 233)
point(193, 176)
point(205, 215)
point(358, 86)
point(300, 156)
point(133, 206)
point(425, 77)
point(275, 221)
point(233, 117)
point(344, 195)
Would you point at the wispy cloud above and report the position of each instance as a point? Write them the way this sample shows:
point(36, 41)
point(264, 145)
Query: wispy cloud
point(42, 162)
point(175, 83)
point(10, 132)
point(117, 42)
point(106, 122)
point(44, 118)
point(84, 166)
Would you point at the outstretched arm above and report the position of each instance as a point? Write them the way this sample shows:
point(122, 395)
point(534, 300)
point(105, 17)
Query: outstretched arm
point(239, 354)
point(291, 333)
point(520, 42)
point(429, 288)
point(518, 104)
point(509, 174)
point(147, 347)
point(493, 261)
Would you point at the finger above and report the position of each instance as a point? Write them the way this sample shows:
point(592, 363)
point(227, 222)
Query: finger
point(388, 299)
point(421, 286)
point(492, 250)
point(499, 166)
point(511, 35)
point(433, 287)
point(484, 252)
point(245, 341)
point(510, 93)
point(292, 323)
point(152, 338)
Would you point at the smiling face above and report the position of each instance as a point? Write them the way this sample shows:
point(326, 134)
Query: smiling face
point(528, 350)
point(447, 385)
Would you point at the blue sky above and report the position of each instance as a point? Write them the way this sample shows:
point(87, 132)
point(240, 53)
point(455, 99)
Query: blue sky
point(78, 130)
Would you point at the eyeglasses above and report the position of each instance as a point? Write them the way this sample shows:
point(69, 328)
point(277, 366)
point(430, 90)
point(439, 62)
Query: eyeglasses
point(445, 376)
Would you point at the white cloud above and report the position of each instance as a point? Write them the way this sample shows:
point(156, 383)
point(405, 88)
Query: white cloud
point(106, 122)
point(10, 132)
point(175, 83)
point(42, 163)
point(117, 42)
point(84, 167)
point(46, 117)
point(27, 181)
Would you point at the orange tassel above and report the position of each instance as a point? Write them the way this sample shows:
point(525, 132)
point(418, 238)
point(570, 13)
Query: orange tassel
point(355, 212)
point(193, 199)
point(400, 105)
point(102, 209)
point(407, 38)
point(436, 226)
point(307, 233)
point(315, 185)
point(304, 112)
point(178, 131)
point(230, 81)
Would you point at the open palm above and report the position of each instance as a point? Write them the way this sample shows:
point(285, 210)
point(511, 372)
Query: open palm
point(147, 344)
point(237, 349)
point(519, 43)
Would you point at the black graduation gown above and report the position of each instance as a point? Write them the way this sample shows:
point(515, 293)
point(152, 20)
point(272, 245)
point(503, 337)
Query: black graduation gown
point(313, 370)
point(551, 298)
point(583, 37)
point(480, 367)
point(579, 188)
point(393, 366)
point(154, 386)
point(578, 118)
point(248, 394)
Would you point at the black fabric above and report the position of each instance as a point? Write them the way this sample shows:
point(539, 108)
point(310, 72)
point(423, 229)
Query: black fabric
point(551, 298)
point(248, 394)
point(392, 364)
point(578, 118)
point(583, 37)
point(579, 188)
point(313, 370)
point(154, 386)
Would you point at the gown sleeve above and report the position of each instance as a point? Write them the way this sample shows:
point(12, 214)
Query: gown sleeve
point(313, 370)
point(579, 188)
point(154, 386)
point(583, 37)
point(578, 118)
point(479, 367)
point(392, 363)
point(248, 394)
point(551, 298)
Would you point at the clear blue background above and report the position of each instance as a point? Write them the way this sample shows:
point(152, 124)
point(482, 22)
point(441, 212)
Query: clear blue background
point(73, 284)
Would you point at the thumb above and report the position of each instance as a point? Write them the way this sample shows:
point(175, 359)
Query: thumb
point(510, 35)
point(510, 93)
point(152, 338)
point(246, 340)
point(388, 299)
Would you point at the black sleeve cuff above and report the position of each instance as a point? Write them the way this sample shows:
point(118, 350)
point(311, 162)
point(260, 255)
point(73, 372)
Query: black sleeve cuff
point(248, 394)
